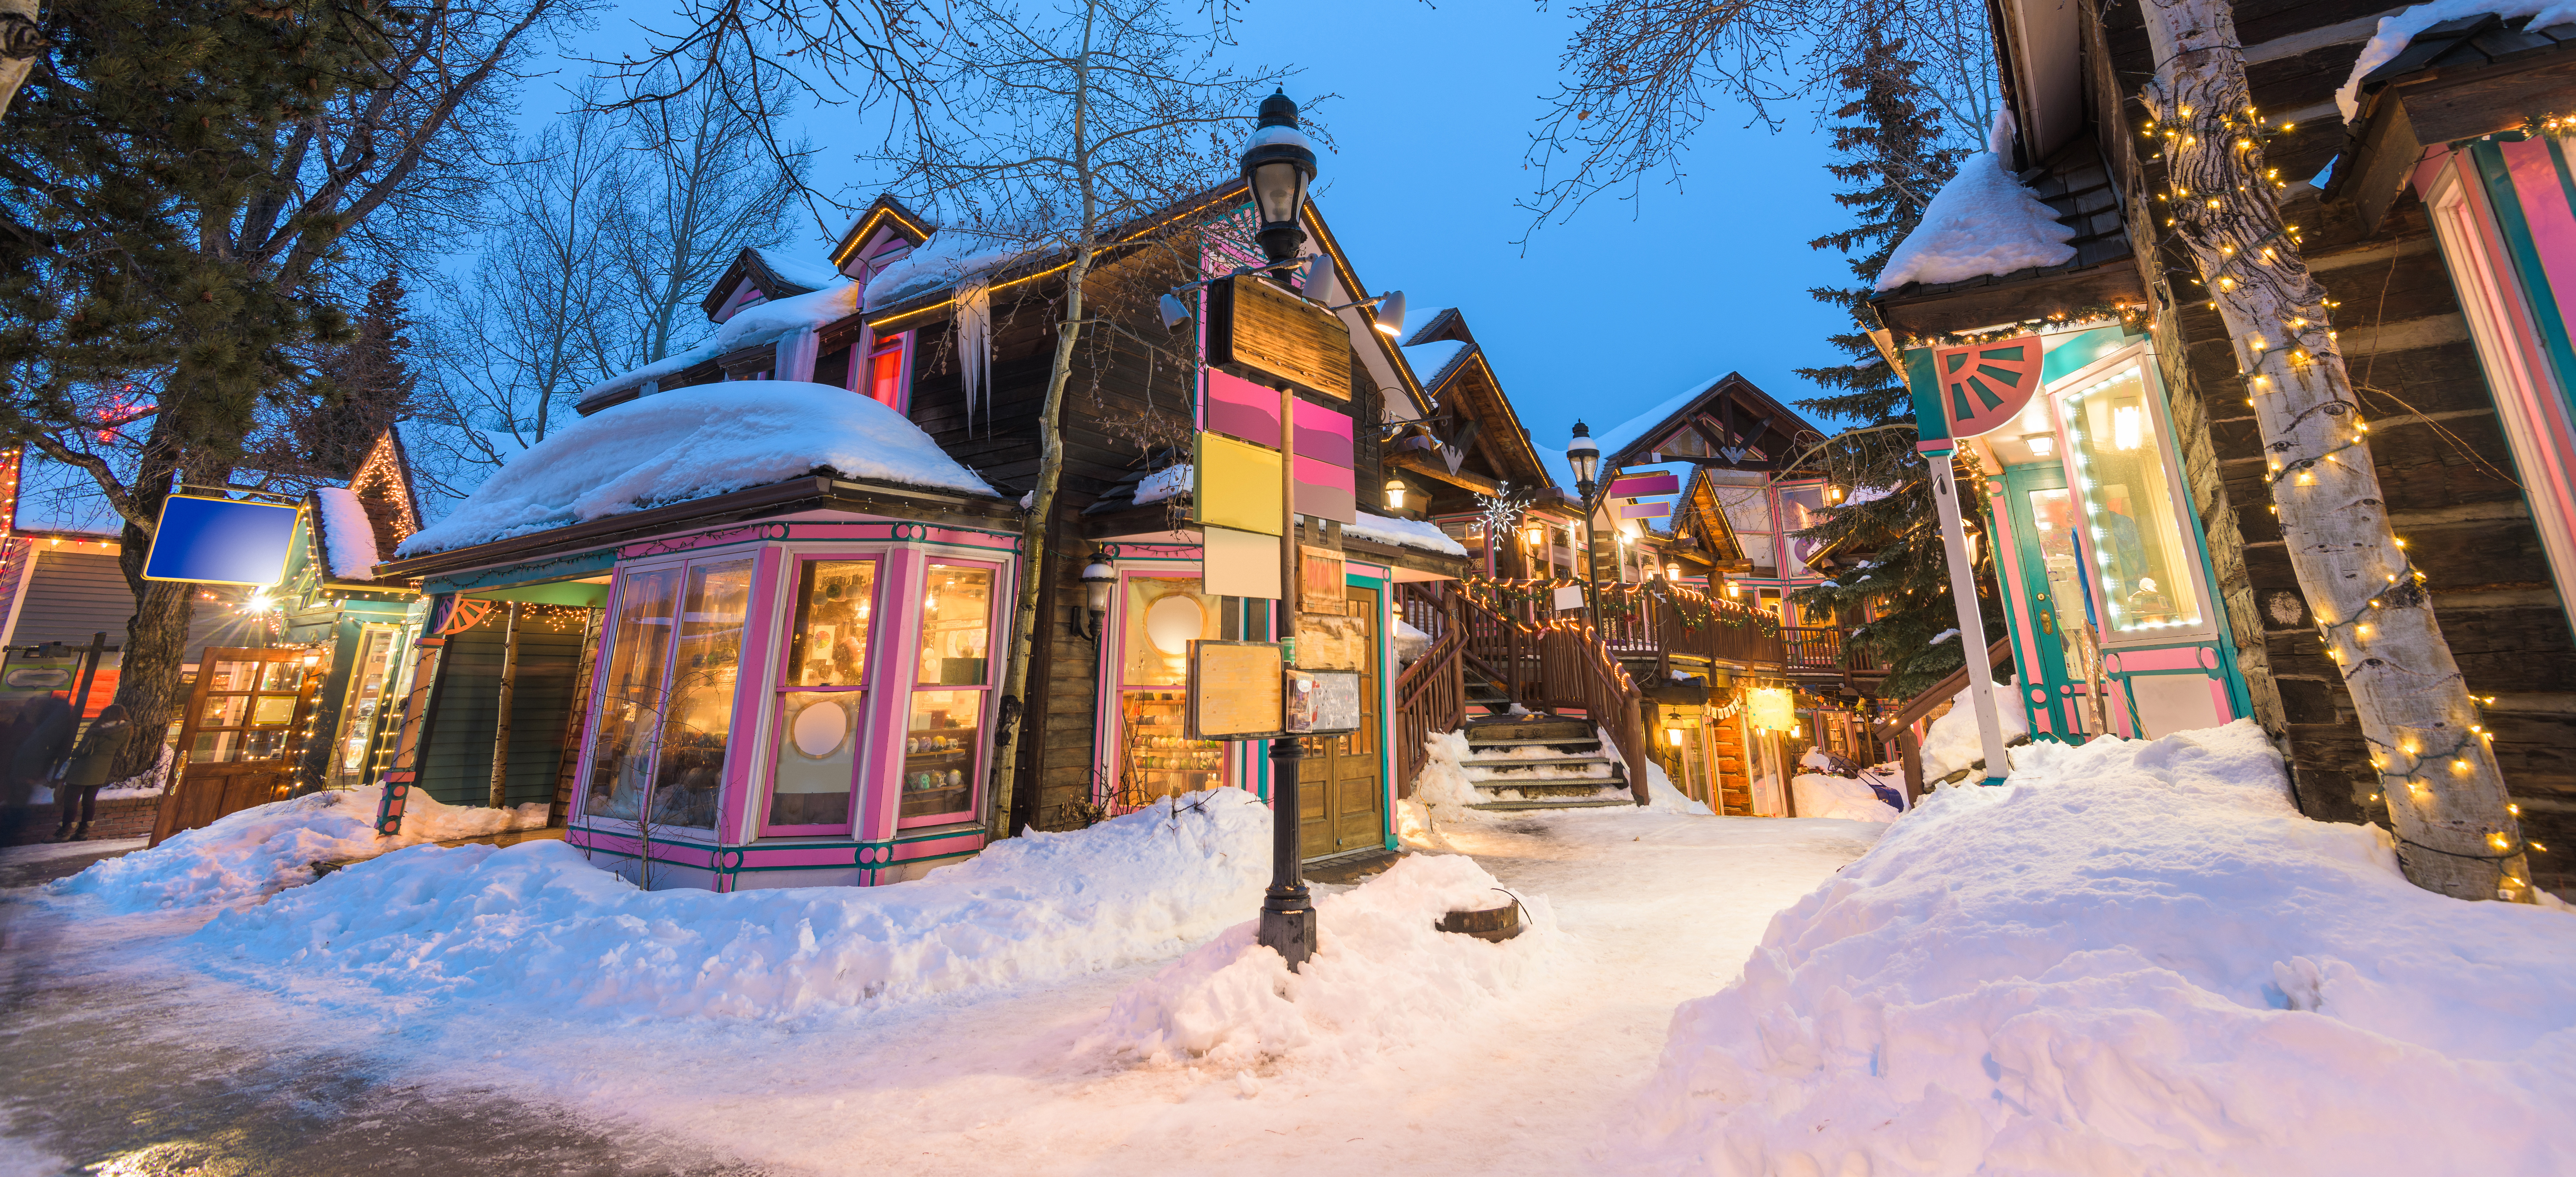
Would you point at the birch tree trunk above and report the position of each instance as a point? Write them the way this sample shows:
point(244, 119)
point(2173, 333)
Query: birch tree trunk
point(2446, 800)
point(1034, 565)
point(19, 45)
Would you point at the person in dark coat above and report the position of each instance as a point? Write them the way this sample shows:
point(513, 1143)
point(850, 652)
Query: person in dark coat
point(87, 773)
point(45, 737)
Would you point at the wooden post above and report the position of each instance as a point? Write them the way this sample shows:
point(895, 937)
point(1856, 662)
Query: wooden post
point(501, 722)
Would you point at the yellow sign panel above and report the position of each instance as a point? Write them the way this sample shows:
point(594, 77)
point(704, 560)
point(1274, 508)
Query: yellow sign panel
point(1235, 690)
point(1238, 485)
point(1771, 709)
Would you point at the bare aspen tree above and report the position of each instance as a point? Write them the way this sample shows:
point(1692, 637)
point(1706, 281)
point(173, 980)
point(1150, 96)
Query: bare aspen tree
point(1072, 123)
point(2446, 799)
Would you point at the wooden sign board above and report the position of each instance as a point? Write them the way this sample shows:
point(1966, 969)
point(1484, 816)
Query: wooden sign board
point(1330, 641)
point(1236, 690)
point(1266, 335)
point(1323, 702)
point(1319, 579)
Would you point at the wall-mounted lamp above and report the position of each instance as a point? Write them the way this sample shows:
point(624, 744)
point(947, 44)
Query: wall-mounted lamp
point(1098, 577)
point(1673, 736)
point(1833, 494)
point(2041, 444)
point(1673, 572)
point(1390, 310)
point(1533, 535)
point(1395, 492)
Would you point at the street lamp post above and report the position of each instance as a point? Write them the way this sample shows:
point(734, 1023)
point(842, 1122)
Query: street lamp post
point(1277, 165)
point(1584, 455)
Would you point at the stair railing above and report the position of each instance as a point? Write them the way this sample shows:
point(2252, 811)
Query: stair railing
point(1431, 694)
point(1582, 671)
point(1895, 734)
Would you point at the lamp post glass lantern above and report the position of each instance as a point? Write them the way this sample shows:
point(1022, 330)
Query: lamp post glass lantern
point(1584, 455)
point(1277, 164)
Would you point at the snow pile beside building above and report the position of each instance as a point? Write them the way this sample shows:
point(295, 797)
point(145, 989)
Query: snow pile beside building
point(1983, 223)
point(2136, 957)
point(2398, 31)
point(538, 925)
point(1952, 742)
point(692, 443)
point(1382, 976)
point(1823, 795)
point(347, 532)
point(268, 848)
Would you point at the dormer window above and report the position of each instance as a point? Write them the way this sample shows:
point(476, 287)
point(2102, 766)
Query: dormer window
point(885, 373)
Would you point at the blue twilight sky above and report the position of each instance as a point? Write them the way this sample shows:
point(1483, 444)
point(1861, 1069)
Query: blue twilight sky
point(1603, 316)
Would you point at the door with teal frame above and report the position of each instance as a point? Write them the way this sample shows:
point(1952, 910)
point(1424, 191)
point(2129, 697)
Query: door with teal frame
point(2044, 526)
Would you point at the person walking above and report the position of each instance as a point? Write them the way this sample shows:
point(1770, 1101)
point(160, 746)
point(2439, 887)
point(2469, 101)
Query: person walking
point(87, 772)
point(45, 728)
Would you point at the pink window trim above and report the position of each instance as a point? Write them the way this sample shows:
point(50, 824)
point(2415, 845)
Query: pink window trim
point(984, 710)
point(792, 575)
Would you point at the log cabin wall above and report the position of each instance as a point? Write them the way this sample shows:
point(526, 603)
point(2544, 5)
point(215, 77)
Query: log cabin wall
point(2436, 439)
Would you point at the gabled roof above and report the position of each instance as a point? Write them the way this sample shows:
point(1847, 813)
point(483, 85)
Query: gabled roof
point(357, 526)
point(1460, 386)
point(1739, 426)
point(884, 219)
point(776, 274)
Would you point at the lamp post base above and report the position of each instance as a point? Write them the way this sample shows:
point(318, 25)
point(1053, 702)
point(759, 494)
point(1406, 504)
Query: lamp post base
point(1291, 934)
point(1288, 909)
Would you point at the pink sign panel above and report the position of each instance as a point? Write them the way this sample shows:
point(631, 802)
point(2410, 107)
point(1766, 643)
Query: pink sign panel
point(1646, 511)
point(1641, 485)
point(1326, 491)
point(1239, 408)
point(1323, 434)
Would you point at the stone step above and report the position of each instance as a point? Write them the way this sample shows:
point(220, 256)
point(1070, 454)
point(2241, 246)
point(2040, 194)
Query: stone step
point(1544, 729)
point(1536, 762)
point(1587, 803)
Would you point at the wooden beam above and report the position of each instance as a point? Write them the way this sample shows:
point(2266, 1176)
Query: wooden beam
point(1925, 315)
point(1430, 467)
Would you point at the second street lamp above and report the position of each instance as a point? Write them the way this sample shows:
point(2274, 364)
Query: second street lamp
point(1584, 455)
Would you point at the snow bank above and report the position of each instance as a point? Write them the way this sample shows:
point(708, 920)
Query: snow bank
point(347, 532)
point(2396, 32)
point(1382, 976)
point(691, 443)
point(1660, 794)
point(1952, 743)
point(1983, 223)
point(1822, 795)
point(2136, 957)
point(268, 848)
point(1403, 533)
point(538, 925)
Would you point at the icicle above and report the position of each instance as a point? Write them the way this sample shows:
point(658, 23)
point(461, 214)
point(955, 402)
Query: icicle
point(975, 347)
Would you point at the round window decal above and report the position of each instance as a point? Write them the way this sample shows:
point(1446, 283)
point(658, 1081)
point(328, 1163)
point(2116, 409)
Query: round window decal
point(1173, 623)
point(820, 728)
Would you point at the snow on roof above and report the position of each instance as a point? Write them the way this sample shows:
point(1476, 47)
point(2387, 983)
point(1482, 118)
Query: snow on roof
point(810, 273)
point(56, 497)
point(1163, 484)
point(1983, 223)
point(2396, 32)
point(692, 443)
point(758, 323)
point(1629, 432)
point(1403, 533)
point(1422, 319)
point(1428, 360)
point(948, 257)
point(348, 535)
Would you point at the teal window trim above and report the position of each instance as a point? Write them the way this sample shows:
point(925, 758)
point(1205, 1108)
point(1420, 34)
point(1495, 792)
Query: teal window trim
point(2514, 226)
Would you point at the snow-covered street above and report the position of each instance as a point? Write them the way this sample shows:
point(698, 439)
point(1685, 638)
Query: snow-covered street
point(1652, 908)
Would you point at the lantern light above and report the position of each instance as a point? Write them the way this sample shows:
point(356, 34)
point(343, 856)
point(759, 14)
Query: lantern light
point(1395, 491)
point(1277, 164)
point(1583, 454)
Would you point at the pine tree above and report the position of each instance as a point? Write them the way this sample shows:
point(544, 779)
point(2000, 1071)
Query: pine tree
point(1894, 159)
point(363, 386)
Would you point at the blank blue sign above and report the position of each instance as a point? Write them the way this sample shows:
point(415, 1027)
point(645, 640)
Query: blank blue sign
point(220, 541)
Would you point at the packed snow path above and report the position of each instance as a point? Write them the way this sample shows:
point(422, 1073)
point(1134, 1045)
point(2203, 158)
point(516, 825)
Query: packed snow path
point(1655, 908)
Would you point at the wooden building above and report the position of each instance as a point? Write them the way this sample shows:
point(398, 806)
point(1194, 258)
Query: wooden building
point(2434, 220)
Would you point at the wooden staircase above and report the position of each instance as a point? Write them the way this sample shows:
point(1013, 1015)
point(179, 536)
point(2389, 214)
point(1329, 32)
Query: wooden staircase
point(1543, 762)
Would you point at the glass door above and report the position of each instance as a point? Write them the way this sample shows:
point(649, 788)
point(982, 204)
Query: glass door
point(667, 702)
point(2045, 521)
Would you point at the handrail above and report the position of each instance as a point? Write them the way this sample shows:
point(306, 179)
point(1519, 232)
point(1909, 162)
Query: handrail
point(1576, 663)
point(1898, 729)
point(1431, 694)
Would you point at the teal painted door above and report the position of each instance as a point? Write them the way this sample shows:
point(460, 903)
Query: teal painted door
point(2045, 518)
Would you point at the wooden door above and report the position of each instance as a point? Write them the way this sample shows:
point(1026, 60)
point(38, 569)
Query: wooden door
point(1341, 789)
point(240, 736)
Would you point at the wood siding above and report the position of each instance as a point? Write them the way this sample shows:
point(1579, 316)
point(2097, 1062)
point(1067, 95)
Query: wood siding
point(2435, 437)
point(456, 768)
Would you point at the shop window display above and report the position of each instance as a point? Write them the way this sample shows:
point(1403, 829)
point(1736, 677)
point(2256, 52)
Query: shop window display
point(821, 695)
point(943, 738)
point(2140, 538)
